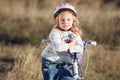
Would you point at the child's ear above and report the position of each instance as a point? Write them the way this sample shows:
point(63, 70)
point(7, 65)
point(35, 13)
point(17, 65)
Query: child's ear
point(74, 23)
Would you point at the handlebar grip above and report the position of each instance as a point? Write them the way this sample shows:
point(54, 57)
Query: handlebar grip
point(45, 41)
point(94, 43)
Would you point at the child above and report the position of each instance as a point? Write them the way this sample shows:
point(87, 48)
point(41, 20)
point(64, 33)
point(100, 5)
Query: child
point(63, 37)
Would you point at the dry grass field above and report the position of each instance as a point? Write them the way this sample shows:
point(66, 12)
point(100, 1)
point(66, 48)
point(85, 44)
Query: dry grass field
point(24, 23)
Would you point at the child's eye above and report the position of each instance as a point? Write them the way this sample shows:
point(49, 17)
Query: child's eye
point(63, 19)
point(68, 19)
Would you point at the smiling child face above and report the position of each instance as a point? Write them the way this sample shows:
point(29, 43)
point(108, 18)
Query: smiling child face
point(65, 20)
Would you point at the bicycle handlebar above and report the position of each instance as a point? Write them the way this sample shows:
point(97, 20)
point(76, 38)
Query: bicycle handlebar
point(94, 43)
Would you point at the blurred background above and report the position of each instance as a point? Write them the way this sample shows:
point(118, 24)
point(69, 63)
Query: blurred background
point(24, 23)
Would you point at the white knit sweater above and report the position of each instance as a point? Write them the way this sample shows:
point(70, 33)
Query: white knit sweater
point(56, 50)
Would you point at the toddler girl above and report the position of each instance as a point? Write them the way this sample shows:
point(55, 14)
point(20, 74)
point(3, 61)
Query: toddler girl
point(64, 37)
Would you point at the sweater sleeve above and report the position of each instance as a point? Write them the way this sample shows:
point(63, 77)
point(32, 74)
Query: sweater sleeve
point(57, 42)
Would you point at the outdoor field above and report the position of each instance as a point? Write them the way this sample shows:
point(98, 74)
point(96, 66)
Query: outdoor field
point(24, 23)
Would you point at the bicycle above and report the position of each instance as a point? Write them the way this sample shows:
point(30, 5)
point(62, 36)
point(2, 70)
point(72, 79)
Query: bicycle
point(76, 65)
point(77, 62)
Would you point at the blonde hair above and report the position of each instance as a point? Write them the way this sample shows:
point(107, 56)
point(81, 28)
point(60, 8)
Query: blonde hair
point(74, 29)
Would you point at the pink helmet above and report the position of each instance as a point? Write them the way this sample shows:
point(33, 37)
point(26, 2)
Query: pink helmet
point(64, 7)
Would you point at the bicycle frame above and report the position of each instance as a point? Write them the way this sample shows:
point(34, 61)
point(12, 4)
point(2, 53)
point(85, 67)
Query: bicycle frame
point(77, 66)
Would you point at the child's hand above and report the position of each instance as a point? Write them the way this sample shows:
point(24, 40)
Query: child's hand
point(72, 43)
